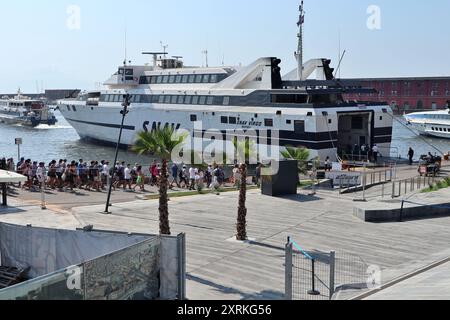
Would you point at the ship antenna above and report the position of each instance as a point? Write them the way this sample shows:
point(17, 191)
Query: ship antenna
point(126, 53)
point(299, 53)
point(164, 46)
point(205, 52)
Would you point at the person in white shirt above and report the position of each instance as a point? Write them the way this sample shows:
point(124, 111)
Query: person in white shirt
point(128, 177)
point(192, 174)
point(41, 174)
point(375, 151)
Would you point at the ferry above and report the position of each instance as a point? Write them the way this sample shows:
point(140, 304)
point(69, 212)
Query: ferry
point(431, 123)
point(293, 110)
point(22, 110)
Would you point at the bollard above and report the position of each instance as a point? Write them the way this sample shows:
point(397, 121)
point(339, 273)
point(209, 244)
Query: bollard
point(313, 291)
point(400, 219)
point(393, 189)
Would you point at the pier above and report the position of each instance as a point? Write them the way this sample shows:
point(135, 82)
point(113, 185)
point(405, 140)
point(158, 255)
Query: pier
point(219, 267)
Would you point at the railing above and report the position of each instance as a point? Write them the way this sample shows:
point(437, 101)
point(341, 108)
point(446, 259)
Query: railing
point(362, 180)
point(405, 186)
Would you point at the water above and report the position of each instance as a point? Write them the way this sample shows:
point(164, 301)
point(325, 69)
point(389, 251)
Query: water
point(46, 143)
point(62, 142)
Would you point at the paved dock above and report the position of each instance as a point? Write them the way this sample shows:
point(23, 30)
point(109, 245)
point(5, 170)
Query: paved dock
point(227, 270)
point(430, 285)
point(222, 269)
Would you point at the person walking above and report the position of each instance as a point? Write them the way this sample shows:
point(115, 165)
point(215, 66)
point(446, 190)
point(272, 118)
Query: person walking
point(411, 156)
point(375, 152)
point(174, 170)
point(192, 174)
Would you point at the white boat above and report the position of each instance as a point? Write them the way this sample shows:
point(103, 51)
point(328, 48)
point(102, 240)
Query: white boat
point(275, 111)
point(431, 123)
point(25, 111)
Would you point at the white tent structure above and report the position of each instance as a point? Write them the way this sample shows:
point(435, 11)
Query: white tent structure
point(9, 177)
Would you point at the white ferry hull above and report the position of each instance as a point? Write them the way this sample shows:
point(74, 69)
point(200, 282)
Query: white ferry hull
point(102, 123)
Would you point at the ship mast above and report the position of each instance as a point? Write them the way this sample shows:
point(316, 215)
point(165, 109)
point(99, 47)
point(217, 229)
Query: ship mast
point(299, 53)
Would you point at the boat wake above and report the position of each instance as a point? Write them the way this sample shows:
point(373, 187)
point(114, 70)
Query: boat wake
point(47, 127)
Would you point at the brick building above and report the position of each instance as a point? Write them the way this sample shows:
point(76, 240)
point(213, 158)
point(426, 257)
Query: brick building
point(408, 94)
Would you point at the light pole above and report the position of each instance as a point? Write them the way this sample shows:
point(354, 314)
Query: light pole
point(126, 103)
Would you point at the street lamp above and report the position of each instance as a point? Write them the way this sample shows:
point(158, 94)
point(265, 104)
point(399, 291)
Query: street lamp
point(126, 103)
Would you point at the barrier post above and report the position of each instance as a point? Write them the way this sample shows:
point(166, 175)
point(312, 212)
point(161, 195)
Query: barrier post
point(313, 291)
point(288, 271)
point(332, 273)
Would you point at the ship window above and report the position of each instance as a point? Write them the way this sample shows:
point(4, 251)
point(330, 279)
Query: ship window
point(195, 100)
point(172, 79)
point(202, 100)
point(167, 99)
point(299, 127)
point(289, 98)
point(68, 108)
point(210, 100)
point(174, 99)
point(224, 120)
point(158, 79)
point(232, 120)
point(310, 114)
point(440, 129)
point(288, 121)
point(74, 109)
point(180, 99)
point(357, 123)
point(198, 78)
point(188, 99)
point(206, 78)
point(192, 78)
point(117, 98)
point(381, 118)
point(129, 72)
point(213, 78)
point(193, 117)
point(268, 122)
point(165, 79)
point(185, 79)
point(153, 80)
point(330, 121)
point(226, 101)
point(178, 79)
point(161, 99)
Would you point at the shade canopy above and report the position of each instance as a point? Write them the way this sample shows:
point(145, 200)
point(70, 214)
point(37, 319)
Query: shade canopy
point(11, 177)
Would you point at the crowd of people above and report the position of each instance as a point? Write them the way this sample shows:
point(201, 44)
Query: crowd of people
point(94, 175)
point(365, 152)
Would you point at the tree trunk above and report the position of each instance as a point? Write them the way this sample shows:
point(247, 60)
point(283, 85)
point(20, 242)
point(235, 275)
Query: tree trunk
point(242, 210)
point(164, 226)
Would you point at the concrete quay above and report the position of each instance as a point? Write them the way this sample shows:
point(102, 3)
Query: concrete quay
point(227, 270)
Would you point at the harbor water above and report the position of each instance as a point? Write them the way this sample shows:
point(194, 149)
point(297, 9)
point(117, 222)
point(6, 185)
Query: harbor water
point(46, 143)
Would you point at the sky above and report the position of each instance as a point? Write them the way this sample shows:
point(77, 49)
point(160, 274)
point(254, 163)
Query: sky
point(44, 44)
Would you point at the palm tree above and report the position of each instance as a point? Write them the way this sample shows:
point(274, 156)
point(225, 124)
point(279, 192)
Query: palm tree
point(161, 143)
point(248, 149)
point(300, 154)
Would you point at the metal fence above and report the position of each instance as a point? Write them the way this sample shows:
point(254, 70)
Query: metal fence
point(323, 276)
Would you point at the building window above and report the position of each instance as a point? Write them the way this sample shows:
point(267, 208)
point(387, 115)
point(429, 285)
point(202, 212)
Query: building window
point(193, 117)
point(268, 122)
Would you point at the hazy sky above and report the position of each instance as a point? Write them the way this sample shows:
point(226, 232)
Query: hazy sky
point(41, 41)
